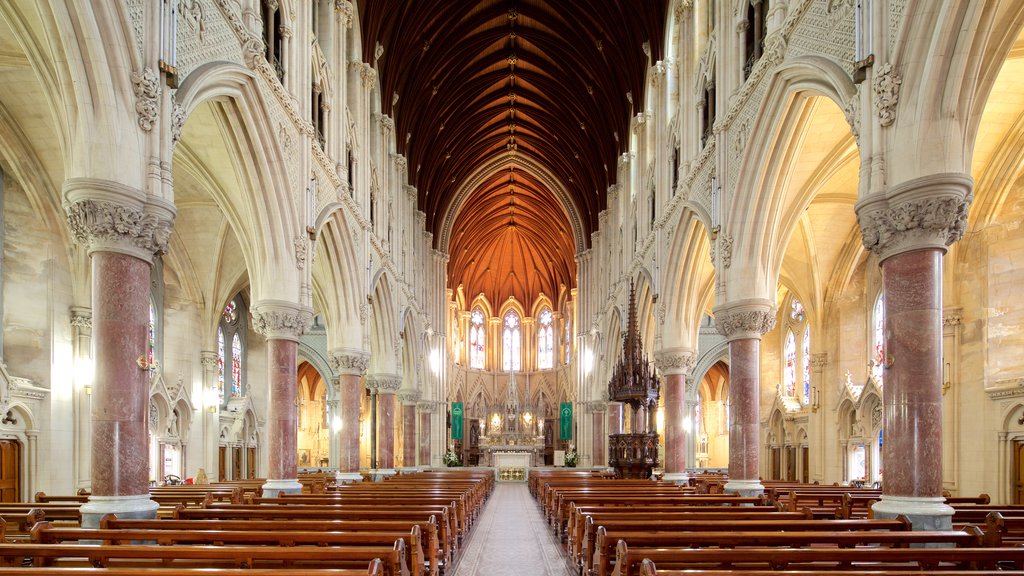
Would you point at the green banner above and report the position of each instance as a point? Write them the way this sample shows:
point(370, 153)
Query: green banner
point(457, 420)
point(565, 421)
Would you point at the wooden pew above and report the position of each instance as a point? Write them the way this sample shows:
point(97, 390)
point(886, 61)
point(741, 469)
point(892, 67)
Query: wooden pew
point(375, 568)
point(856, 560)
point(393, 559)
point(648, 568)
point(432, 544)
point(589, 541)
point(970, 537)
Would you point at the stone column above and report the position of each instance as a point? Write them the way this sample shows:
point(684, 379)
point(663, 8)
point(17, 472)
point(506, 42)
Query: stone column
point(349, 364)
point(209, 414)
point(385, 386)
point(600, 438)
point(281, 323)
point(409, 445)
point(81, 337)
point(743, 323)
point(675, 364)
point(909, 227)
point(122, 230)
point(426, 409)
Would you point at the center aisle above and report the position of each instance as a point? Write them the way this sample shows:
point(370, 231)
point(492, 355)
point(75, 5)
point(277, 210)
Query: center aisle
point(511, 538)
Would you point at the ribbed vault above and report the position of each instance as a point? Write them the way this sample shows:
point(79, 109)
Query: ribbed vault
point(466, 82)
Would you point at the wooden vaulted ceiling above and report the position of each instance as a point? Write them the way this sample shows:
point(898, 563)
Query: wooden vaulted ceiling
point(549, 85)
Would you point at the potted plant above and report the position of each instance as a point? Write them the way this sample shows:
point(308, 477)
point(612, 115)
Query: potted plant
point(570, 457)
point(451, 458)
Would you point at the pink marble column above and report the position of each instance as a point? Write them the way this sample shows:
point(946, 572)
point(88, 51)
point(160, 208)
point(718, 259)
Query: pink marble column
point(120, 401)
point(385, 430)
point(408, 435)
point(745, 406)
point(424, 439)
point(615, 416)
point(674, 390)
point(282, 412)
point(348, 406)
point(912, 394)
point(600, 440)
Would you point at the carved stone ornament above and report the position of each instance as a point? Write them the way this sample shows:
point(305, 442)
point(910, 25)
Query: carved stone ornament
point(751, 318)
point(427, 407)
point(384, 383)
point(100, 225)
point(301, 247)
point(387, 125)
point(887, 93)
point(726, 250)
point(81, 317)
point(352, 362)
point(208, 359)
point(928, 212)
point(368, 75)
point(280, 320)
point(952, 320)
point(177, 123)
point(345, 11)
point(819, 360)
point(675, 360)
point(409, 397)
point(146, 85)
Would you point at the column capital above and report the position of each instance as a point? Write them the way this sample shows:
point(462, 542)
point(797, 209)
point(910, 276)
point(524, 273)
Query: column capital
point(409, 397)
point(427, 407)
point(742, 319)
point(923, 213)
point(384, 383)
point(675, 361)
point(349, 362)
point(280, 319)
point(819, 360)
point(108, 216)
point(208, 359)
point(345, 11)
point(81, 317)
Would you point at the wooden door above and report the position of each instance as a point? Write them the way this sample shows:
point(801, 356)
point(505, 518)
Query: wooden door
point(236, 463)
point(805, 465)
point(251, 463)
point(776, 471)
point(222, 463)
point(10, 471)
point(791, 463)
point(1018, 452)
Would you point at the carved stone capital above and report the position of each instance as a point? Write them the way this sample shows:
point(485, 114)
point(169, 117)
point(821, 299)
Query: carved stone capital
point(819, 360)
point(146, 85)
point(387, 125)
point(384, 383)
point(351, 362)
point(409, 397)
point(345, 11)
point(743, 319)
point(280, 320)
point(952, 319)
point(927, 212)
point(427, 407)
point(597, 406)
point(368, 75)
point(671, 361)
point(81, 318)
point(109, 217)
point(208, 359)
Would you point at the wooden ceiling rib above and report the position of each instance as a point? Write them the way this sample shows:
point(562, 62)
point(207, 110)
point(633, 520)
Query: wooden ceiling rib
point(540, 79)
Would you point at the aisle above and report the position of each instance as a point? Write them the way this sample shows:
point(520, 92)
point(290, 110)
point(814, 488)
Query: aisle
point(511, 538)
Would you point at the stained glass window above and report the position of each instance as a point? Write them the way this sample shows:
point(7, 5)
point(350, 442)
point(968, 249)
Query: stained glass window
point(511, 343)
point(789, 372)
point(806, 360)
point(877, 351)
point(546, 341)
point(796, 313)
point(236, 366)
point(231, 312)
point(568, 341)
point(151, 344)
point(476, 339)
point(220, 366)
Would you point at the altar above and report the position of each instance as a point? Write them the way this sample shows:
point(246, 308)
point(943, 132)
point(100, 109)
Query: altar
point(513, 442)
point(511, 466)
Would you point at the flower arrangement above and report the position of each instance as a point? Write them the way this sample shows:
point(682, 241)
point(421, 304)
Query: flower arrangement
point(451, 458)
point(571, 457)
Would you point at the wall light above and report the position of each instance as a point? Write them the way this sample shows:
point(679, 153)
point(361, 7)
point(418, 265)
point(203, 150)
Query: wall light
point(336, 424)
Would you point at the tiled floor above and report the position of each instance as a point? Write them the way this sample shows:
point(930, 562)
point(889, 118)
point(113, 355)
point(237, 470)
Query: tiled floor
point(511, 538)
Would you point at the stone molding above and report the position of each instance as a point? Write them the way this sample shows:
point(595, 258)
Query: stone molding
point(743, 319)
point(81, 317)
point(111, 217)
point(208, 359)
point(409, 397)
point(427, 407)
point(349, 362)
point(146, 85)
point(672, 361)
point(596, 406)
point(819, 360)
point(384, 383)
point(280, 319)
point(886, 87)
point(923, 213)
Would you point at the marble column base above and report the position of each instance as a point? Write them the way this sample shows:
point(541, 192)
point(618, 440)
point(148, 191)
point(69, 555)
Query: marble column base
point(410, 469)
point(346, 477)
point(125, 507)
point(288, 486)
point(380, 474)
point(744, 487)
point(924, 513)
point(681, 478)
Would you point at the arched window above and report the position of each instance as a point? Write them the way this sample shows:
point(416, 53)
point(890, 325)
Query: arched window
point(877, 340)
point(476, 339)
point(511, 342)
point(545, 341)
point(789, 371)
point(806, 360)
point(151, 342)
point(568, 341)
point(231, 351)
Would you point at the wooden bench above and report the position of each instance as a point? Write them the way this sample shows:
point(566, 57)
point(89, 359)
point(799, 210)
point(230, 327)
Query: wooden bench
point(432, 544)
point(601, 565)
point(648, 568)
point(375, 568)
point(856, 560)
